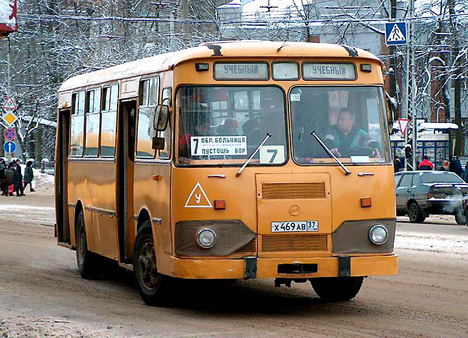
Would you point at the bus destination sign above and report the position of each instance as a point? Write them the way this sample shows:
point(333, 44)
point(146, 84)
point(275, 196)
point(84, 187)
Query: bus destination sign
point(241, 71)
point(218, 145)
point(329, 71)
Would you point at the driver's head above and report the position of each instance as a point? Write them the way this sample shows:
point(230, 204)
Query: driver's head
point(345, 120)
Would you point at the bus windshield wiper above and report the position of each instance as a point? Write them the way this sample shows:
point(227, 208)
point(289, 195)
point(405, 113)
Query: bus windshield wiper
point(329, 153)
point(268, 135)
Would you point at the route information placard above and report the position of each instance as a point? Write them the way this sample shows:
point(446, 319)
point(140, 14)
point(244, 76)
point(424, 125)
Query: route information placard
point(218, 145)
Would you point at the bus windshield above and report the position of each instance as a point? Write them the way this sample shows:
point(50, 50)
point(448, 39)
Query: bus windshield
point(349, 120)
point(224, 125)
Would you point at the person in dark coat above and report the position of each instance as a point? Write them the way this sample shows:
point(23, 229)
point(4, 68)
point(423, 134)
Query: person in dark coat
point(18, 179)
point(465, 173)
point(396, 165)
point(455, 166)
point(3, 180)
point(28, 176)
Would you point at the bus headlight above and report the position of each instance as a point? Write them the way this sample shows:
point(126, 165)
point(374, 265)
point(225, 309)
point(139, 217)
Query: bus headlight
point(378, 234)
point(206, 238)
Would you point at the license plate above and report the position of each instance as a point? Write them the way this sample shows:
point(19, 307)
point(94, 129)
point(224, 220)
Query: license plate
point(298, 226)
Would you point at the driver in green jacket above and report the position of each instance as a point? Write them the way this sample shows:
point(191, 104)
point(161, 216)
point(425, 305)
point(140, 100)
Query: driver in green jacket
point(345, 135)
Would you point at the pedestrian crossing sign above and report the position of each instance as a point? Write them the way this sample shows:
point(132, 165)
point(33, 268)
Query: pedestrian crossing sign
point(395, 33)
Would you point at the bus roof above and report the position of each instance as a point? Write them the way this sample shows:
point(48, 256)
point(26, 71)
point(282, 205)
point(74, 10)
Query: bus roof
point(244, 49)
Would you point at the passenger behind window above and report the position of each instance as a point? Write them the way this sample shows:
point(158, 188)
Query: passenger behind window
point(266, 121)
point(228, 128)
point(251, 129)
point(197, 124)
point(344, 136)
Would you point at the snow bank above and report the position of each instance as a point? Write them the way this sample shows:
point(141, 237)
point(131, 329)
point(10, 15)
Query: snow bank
point(44, 183)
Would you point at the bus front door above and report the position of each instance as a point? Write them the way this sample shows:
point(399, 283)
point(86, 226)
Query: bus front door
point(125, 174)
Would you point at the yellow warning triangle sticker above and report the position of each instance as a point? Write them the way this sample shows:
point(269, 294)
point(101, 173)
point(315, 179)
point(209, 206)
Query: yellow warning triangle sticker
point(198, 198)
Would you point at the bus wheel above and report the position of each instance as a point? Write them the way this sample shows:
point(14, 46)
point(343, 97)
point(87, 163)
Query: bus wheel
point(87, 261)
point(337, 288)
point(151, 284)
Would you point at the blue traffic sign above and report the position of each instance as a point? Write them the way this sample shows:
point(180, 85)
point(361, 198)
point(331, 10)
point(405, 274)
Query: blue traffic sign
point(9, 147)
point(10, 134)
point(395, 33)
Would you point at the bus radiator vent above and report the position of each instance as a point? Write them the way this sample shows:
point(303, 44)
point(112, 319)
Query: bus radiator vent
point(294, 243)
point(279, 191)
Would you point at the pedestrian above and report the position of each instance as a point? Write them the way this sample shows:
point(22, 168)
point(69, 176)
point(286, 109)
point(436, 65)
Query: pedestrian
point(396, 165)
point(465, 172)
point(455, 166)
point(444, 166)
point(425, 164)
point(28, 176)
point(18, 178)
point(3, 180)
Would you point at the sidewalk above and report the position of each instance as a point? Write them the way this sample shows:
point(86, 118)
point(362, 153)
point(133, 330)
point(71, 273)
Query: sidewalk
point(34, 208)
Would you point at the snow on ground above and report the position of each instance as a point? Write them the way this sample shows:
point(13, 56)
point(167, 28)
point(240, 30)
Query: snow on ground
point(33, 214)
point(449, 244)
point(432, 242)
point(44, 183)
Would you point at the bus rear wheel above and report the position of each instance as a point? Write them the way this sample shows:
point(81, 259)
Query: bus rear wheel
point(152, 285)
point(337, 288)
point(86, 261)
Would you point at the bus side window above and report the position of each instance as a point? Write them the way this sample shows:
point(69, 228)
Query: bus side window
point(149, 92)
point(93, 108)
point(166, 99)
point(77, 125)
point(109, 121)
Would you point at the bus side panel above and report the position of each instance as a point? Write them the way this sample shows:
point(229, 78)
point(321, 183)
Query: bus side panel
point(154, 196)
point(93, 184)
point(102, 187)
point(79, 192)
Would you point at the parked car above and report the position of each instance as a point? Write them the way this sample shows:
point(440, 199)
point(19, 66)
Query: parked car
point(421, 193)
point(465, 207)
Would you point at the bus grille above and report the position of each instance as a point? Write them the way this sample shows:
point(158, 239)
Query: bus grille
point(294, 243)
point(279, 191)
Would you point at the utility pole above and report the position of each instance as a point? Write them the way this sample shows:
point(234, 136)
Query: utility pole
point(411, 87)
point(456, 65)
point(393, 62)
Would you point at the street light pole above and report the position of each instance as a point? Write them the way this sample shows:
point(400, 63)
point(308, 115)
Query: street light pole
point(413, 86)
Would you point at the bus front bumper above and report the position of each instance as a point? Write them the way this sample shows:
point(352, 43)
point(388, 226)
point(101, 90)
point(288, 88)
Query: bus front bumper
point(253, 267)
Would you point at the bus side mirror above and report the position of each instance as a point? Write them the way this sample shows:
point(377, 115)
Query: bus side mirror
point(160, 120)
point(161, 117)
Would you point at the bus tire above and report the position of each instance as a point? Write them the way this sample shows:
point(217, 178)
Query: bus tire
point(152, 286)
point(88, 263)
point(415, 214)
point(337, 289)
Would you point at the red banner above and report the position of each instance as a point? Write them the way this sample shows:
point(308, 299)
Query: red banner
point(8, 17)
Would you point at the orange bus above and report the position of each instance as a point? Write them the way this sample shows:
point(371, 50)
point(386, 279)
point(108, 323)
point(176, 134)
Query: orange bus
point(232, 160)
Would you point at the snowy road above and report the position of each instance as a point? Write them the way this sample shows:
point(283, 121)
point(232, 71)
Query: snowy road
point(42, 295)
